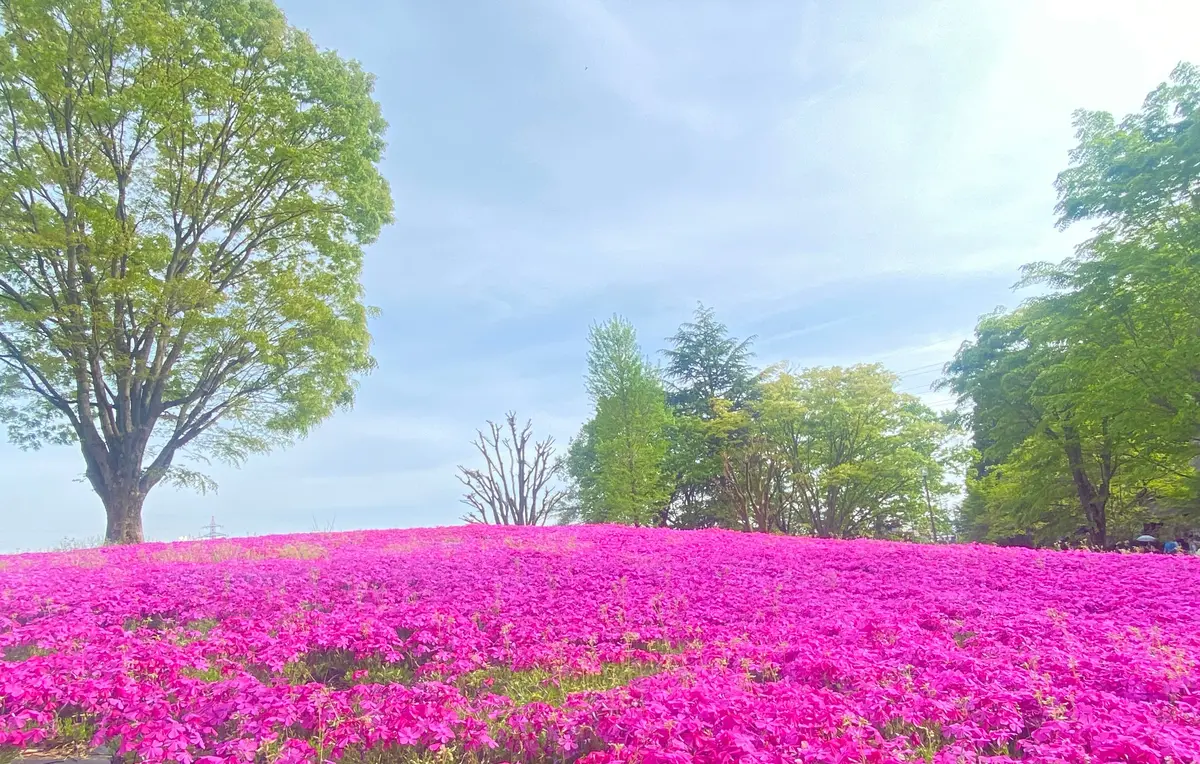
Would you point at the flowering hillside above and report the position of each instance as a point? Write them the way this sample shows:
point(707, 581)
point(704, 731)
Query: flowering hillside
point(600, 644)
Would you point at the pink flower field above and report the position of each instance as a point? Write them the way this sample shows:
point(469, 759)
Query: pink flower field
point(599, 644)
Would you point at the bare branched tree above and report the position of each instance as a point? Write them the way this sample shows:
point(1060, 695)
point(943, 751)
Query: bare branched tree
point(517, 486)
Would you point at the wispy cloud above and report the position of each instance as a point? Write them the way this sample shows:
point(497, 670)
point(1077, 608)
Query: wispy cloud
point(803, 331)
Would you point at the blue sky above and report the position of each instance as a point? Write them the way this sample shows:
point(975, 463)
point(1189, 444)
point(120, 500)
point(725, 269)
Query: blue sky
point(849, 181)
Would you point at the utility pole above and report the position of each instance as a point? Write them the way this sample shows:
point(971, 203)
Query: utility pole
point(212, 530)
point(929, 504)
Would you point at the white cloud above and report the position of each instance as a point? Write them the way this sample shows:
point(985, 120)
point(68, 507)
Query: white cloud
point(925, 140)
point(936, 349)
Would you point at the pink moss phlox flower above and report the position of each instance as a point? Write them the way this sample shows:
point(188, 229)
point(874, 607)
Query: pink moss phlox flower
point(749, 648)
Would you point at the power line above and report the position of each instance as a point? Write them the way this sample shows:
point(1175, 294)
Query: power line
point(942, 404)
point(916, 369)
point(918, 388)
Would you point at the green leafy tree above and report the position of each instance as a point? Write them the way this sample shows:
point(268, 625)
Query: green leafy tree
point(1071, 442)
point(1135, 175)
point(1086, 402)
point(619, 461)
point(992, 377)
point(186, 187)
point(1133, 289)
point(854, 456)
point(694, 459)
point(584, 502)
point(751, 469)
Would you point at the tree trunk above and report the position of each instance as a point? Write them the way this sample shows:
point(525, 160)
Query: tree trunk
point(1093, 508)
point(1099, 524)
point(124, 509)
point(1092, 502)
point(117, 477)
point(829, 526)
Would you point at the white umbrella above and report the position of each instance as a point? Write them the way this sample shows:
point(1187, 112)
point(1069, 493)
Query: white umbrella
point(1145, 539)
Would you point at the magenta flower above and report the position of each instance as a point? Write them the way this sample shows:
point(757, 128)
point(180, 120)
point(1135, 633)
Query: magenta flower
point(601, 644)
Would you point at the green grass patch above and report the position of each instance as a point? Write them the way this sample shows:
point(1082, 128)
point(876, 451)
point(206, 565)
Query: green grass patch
point(536, 685)
point(961, 638)
point(75, 732)
point(154, 622)
point(72, 738)
point(539, 685)
point(202, 626)
point(340, 668)
point(23, 652)
point(210, 674)
point(659, 646)
point(195, 631)
point(926, 739)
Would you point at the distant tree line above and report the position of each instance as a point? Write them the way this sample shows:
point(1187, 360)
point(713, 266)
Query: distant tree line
point(708, 440)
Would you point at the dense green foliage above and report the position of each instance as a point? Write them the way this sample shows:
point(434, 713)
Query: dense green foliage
point(619, 459)
point(1085, 402)
point(855, 457)
point(185, 190)
point(710, 374)
point(831, 452)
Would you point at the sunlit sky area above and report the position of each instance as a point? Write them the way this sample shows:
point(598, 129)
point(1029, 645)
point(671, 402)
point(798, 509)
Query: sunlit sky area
point(850, 181)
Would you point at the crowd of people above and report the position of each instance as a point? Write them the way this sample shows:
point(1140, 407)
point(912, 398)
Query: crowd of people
point(1152, 541)
point(1189, 544)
